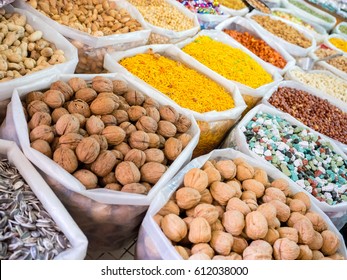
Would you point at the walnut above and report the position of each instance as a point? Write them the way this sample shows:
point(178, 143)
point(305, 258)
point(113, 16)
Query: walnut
point(252, 204)
point(206, 197)
point(67, 124)
point(66, 158)
point(94, 125)
point(136, 112)
point(239, 245)
point(248, 195)
point(172, 148)
point(86, 94)
point(222, 192)
point(317, 255)
point(297, 205)
point(203, 248)
point(196, 179)
point(114, 135)
point(127, 173)
point(206, 211)
point(331, 242)
point(233, 222)
point(128, 128)
point(168, 113)
point(101, 84)
point(289, 232)
point(119, 87)
point(282, 210)
point(221, 242)
point(166, 129)
point(199, 257)
point(237, 204)
point(169, 207)
point(256, 225)
point(64, 88)
point(81, 119)
point(43, 132)
point(305, 253)
point(53, 98)
point(32, 96)
point(258, 250)
point(87, 178)
point(254, 186)
point(57, 113)
point(285, 249)
point(217, 226)
point(185, 139)
point(183, 124)
point(134, 188)
point(109, 120)
point(305, 230)
point(274, 194)
point(304, 198)
point(269, 212)
point(213, 175)
point(40, 118)
point(244, 171)
point(147, 124)
point(174, 227)
point(108, 179)
point(42, 146)
point(102, 106)
point(151, 172)
point(154, 155)
point(77, 83)
point(283, 185)
point(317, 221)
point(187, 198)
point(182, 252)
point(88, 150)
point(104, 163)
point(123, 147)
point(153, 113)
point(101, 140)
point(37, 106)
point(261, 176)
point(136, 156)
point(70, 140)
point(121, 116)
point(139, 140)
point(317, 241)
point(113, 186)
point(134, 97)
point(226, 168)
point(150, 102)
point(271, 236)
point(199, 231)
point(294, 217)
point(80, 107)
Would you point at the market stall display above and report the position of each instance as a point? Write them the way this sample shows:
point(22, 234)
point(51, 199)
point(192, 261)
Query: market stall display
point(337, 42)
point(109, 27)
point(34, 223)
point(108, 217)
point(341, 29)
point(228, 206)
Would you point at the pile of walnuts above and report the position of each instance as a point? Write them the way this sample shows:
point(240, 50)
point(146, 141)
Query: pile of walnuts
point(106, 134)
point(230, 210)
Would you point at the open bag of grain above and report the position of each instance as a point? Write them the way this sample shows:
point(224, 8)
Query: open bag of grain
point(109, 26)
point(103, 145)
point(34, 223)
point(228, 206)
point(215, 103)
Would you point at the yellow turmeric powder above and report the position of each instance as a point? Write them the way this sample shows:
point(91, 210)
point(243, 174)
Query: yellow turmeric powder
point(339, 43)
point(184, 85)
point(231, 63)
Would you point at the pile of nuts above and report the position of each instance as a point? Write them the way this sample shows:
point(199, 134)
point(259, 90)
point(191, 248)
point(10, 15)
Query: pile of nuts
point(106, 134)
point(23, 50)
point(95, 17)
point(339, 62)
point(283, 30)
point(230, 210)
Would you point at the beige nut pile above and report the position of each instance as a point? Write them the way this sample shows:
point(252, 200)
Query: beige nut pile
point(106, 134)
point(95, 17)
point(23, 50)
point(230, 210)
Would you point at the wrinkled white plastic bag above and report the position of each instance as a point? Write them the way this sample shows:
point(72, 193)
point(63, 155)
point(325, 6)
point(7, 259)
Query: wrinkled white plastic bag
point(49, 201)
point(338, 210)
point(108, 218)
point(5, 2)
point(210, 123)
point(152, 244)
point(51, 35)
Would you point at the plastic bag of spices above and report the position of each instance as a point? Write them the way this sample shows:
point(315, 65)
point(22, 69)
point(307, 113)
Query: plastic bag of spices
point(242, 24)
point(213, 123)
point(154, 16)
point(50, 35)
point(333, 101)
point(91, 49)
point(69, 242)
point(251, 95)
point(152, 244)
point(292, 48)
point(328, 192)
point(110, 218)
